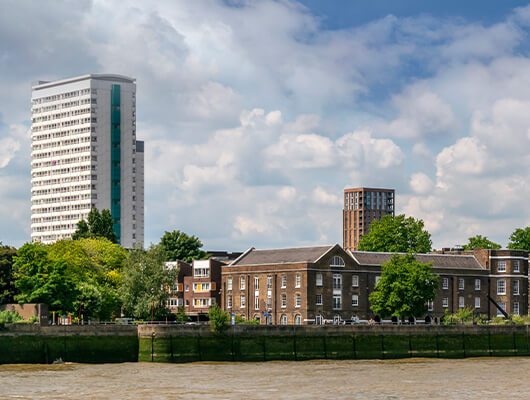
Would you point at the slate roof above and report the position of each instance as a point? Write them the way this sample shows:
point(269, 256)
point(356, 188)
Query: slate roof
point(438, 260)
point(282, 256)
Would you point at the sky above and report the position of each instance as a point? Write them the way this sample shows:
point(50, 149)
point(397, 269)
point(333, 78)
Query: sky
point(256, 115)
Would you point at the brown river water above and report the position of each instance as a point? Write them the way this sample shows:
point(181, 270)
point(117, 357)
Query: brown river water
point(478, 378)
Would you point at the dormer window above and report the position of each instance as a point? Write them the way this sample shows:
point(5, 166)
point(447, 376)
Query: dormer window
point(337, 261)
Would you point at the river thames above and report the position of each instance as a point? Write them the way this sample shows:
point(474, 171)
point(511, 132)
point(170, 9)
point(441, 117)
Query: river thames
point(478, 378)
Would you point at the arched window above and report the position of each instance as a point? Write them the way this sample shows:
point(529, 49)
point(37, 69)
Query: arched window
point(319, 320)
point(283, 320)
point(337, 261)
point(298, 319)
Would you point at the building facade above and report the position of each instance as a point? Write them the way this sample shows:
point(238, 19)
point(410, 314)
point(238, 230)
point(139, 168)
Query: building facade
point(314, 285)
point(361, 207)
point(85, 155)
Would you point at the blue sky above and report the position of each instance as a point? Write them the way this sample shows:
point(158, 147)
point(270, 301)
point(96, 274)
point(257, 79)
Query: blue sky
point(256, 115)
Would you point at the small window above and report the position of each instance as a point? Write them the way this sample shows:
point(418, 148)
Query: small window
point(461, 302)
point(501, 286)
point(445, 283)
point(477, 302)
point(319, 280)
point(515, 308)
point(256, 303)
point(284, 300)
point(256, 283)
point(298, 319)
point(516, 266)
point(229, 283)
point(477, 284)
point(318, 300)
point(298, 300)
point(242, 283)
point(460, 284)
point(516, 288)
point(283, 319)
point(229, 301)
point(355, 300)
point(377, 279)
point(445, 302)
point(501, 266)
point(355, 281)
point(298, 281)
point(503, 306)
point(242, 301)
point(337, 302)
point(337, 261)
point(430, 305)
point(284, 281)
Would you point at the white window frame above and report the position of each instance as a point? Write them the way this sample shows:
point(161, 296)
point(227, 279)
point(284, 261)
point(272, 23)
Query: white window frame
point(445, 302)
point(283, 319)
point(477, 302)
point(501, 287)
point(445, 283)
point(229, 301)
point(516, 287)
point(256, 302)
point(355, 300)
point(461, 283)
point(284, 300)
point(284, 281)
point(461, 301)
point(355, 281)
point(515, 308)
point(477, 284)
point(337, 305)
point(501, 266)
point(318, 280)
point(502, 305)
point(430, 305)
point(229, 283)
point(516, 266)
point(337, 281)
point(256, 283)
point(298, 281)
point(242, 301)
point(337, 261)
point(377, 279)
point(298, 300)
point(298, 319)
point(317, 297)
point(242, 284)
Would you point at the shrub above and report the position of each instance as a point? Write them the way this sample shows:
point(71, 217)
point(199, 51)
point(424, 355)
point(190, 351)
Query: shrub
point(242, 321)
point(462, 316)
point(9, 317)
point(218, 319)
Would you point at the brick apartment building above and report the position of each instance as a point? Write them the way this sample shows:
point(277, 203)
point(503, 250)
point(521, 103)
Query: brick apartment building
point(197, 287)
point(361, 207)
point(313, 284)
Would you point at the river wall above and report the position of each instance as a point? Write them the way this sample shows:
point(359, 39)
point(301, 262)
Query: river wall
point(264, 343)
point(33, 344)
point(188, 343)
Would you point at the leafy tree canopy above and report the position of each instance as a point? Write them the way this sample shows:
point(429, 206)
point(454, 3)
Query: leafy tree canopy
point(396, 235)
point(7, 281)
point(520, 239)
point(97, 225)
point(404, 288)
point(180, 246)
point(480, 242)
point(145, 283)
point(71, 276)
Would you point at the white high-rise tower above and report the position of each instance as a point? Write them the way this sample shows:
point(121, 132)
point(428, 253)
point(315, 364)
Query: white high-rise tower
point(84, 154)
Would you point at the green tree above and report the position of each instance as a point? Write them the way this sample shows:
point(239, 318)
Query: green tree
point(480, 242)
point(406, 285)
point(218, 319)
point(180, 246)
point(7, 281)
point(41, 280)
point(396, 235)
point(520, 239)
point(97, 225)
point(145, 283)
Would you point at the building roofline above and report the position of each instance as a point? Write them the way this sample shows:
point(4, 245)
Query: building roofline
point(105, 77)
point(369, 188)
point(241, 256)
point(327, 251)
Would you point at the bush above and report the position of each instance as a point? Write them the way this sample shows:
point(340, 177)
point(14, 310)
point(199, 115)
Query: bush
point(9, 317)
point(465, 315)
point(242, 321)
point(218, 319)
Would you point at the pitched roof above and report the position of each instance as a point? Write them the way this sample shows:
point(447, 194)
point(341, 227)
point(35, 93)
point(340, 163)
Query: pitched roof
point(438, 260)
point(295, 255)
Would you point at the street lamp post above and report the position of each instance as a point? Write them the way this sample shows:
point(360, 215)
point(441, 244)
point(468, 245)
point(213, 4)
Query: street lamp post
point(152, 304)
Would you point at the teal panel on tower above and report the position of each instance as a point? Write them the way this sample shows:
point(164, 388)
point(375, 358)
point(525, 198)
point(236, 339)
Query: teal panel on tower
point(115, 158)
